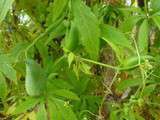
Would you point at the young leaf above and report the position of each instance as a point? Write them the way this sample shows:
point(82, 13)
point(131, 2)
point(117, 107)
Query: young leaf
point(3, 86)
point(143, 37)
point(4, 7)
point(85, 68)
point(88, 28)
point(71, 57)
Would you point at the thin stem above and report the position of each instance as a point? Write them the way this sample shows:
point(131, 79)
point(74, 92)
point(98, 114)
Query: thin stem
point(99, 63)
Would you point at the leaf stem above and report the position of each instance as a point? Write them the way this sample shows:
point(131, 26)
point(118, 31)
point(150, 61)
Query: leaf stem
point(99, 63)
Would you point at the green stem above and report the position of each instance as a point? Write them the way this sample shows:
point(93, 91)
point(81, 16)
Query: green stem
point(98, 63)
point(109, 66)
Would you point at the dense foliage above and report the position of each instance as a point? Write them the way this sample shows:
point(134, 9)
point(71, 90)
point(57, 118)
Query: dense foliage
point(79, 60)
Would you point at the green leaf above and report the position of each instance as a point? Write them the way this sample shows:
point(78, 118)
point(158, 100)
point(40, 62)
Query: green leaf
point(60, 110)
point(124, 84)
point(71, 58)
point(6, 58)
point(88, 28)
point(3, 86)
point(148, 90)
point(57, 10)
point(54, 111)
point(35, 82)
point(133, 61)
point(66, 93)
point(156, 19)
point(117, 40)
point(58, 84)
point(85, 68)
point(114, 115)
point(18, 49)
point(155, 5)
point(42, 113)
point(143, 37)
point(112, 35)
point(129, 23)
point(65, 111)
point(71, 38)
point(57, 32)
point(9, 72)
point(4, 8)
point(29, 103)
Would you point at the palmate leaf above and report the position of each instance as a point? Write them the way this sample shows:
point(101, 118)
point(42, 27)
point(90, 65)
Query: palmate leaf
point(4, 7)
point(88, 28)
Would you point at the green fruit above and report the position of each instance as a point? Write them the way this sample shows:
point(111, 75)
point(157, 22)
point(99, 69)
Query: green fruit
point(71, 39)
point(35, 82)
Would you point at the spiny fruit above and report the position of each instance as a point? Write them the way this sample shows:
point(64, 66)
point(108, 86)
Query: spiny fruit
point(35, 82)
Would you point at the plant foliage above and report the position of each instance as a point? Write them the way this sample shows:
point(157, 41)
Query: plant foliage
point(79, 59)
